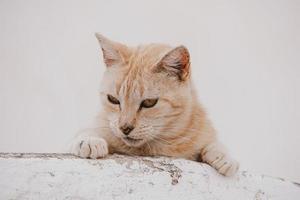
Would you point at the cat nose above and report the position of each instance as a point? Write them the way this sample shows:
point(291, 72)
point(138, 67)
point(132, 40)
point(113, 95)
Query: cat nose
point(126, 128)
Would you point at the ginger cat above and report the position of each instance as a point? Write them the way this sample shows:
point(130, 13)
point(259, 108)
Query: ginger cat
point(150, 108)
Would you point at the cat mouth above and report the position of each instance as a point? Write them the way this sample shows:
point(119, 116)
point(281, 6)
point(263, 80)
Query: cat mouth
point(132, 141)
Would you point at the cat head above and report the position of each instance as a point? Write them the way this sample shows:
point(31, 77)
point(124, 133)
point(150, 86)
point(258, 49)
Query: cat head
point(145, 90)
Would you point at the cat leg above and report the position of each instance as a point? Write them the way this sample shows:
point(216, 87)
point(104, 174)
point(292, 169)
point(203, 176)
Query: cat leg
point(89, 145)
point(216, 156)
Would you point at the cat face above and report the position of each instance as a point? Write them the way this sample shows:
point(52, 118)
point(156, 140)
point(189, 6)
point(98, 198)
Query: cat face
point(144, 90)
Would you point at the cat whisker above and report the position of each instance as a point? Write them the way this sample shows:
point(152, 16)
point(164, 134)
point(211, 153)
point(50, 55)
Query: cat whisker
point(164, 126)
point(160, 139)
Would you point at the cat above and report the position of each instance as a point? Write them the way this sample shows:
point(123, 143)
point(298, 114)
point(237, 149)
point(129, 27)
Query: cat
point(150, 108)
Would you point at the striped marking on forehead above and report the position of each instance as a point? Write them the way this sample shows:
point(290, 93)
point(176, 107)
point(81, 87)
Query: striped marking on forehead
point(132, 80)
point(132, 84)
point(142, 59)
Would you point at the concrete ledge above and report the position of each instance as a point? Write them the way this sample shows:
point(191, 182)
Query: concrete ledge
point(63, 176)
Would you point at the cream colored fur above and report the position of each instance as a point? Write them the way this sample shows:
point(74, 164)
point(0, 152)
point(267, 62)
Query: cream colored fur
point(175, 126)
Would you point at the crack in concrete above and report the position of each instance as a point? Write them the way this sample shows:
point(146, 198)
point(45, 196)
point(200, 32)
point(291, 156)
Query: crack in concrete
point(172, 169)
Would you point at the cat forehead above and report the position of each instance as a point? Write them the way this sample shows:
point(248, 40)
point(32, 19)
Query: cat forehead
point(135, 78)
point(121, 81)
point(145, 56)
point(137, 85)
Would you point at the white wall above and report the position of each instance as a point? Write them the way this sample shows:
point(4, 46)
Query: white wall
point(245, 59)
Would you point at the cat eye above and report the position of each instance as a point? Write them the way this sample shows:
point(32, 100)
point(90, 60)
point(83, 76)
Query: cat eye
point(112, 99)
point(148, 103)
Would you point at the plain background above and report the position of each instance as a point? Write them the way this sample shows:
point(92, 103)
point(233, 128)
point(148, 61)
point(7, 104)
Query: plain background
point(245, 62)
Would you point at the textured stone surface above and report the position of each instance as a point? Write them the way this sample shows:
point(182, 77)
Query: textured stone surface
point(63, 176)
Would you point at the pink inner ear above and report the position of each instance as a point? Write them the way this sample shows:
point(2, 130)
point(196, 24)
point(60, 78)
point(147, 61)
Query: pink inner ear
point(178, 61)
point(113, 52)
point(109, 59)
point(109, 62)
point(185, 58)
point(111, 55)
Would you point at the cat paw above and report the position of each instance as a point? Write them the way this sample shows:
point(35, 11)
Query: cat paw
point(221, 162)
point(90, 147)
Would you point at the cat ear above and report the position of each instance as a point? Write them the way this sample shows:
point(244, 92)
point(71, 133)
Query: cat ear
point(113, 53)
point(176, 62)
